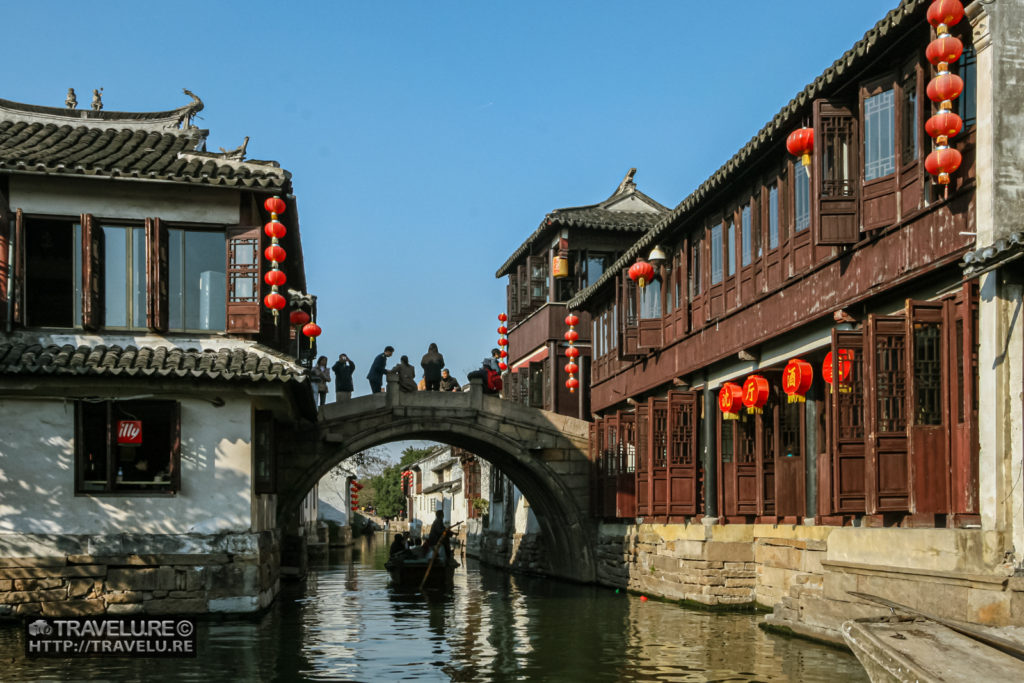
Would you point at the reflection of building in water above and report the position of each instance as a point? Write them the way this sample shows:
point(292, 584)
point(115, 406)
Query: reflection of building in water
point(151, 388)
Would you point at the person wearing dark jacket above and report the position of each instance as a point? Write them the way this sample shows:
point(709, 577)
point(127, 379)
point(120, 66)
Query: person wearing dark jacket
point(432, 362)
point(378, 368)
point(406, 375)
point(449, 383)
point(343, 378)
point(438, 535)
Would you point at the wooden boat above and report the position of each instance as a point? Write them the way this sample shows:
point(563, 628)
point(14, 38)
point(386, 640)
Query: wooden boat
point(408, 569)
point(923, 648)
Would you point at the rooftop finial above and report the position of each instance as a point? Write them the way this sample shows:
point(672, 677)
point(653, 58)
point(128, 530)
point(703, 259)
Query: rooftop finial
point(97, 100)
point(627, 183)
point(71, 102)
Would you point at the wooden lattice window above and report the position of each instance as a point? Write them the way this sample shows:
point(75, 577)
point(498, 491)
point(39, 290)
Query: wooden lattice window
point(928, 373)
point(681, 444)
point(659, 433)
point(746, 440)
point(789, 430)
point(851, 398)
point(890, 382)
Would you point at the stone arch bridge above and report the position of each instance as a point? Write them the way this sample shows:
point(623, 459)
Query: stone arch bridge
point(543, 453)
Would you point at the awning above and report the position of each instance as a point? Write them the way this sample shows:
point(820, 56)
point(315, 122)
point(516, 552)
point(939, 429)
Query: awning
point(538, 355)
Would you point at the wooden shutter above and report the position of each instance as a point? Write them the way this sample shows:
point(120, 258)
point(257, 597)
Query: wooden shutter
point(92, 273)
point(157, 273)
point(629, 440)
point(5, 264)
point(681, 467)
point(928, 407)
point(625, 293)
point(886, 467)
point(963, 371)
point(243, 262)
point(512, 293)
point(175, 445)
point(538, 267)
point(834, 200)
point(594, 455)
point(848, 425)
point(16, 251)
point(523, 277)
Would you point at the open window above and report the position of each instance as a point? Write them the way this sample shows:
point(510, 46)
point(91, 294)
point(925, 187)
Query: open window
point(243, 287)
point(128, 447)
point(628, 317)
point(835, 209)
point(263, 453)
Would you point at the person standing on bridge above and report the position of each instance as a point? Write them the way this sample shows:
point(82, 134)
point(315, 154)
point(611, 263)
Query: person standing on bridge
point(378, 368)
point(406, 375)
point(343, 370)
point(449, 383)
point(319, 376)
point(432, 362)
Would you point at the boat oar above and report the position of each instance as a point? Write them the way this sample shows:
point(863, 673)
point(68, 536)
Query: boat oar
point(433, 554)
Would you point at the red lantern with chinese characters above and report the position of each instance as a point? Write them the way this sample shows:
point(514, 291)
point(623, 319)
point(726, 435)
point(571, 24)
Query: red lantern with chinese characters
point(274, 301)
point(942, 162)
point(755, 393)
point(730, 400)
point(641, 273)
point(275, 229)
point(275, 278)
point(311, 330)
point(298, 317)
point(796, 380)
point(275, 253)
point(945, 13)
point(943, 88)
point(943, 50)
point(842, 369)
point(572, 320)
point(943, 126)
point(275, 205)
point(800, 143)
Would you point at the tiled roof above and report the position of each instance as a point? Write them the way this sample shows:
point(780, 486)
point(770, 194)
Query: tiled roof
point(1000, 252)
point(147, 362)
point(132, 145)
point(773, 133)
point(596, 217)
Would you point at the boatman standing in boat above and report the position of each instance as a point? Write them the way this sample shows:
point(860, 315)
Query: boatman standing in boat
point(437, 534)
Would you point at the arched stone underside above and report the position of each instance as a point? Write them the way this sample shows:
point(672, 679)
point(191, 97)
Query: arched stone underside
point(544, 454)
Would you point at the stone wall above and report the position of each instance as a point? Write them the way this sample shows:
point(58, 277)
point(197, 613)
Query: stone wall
point(136, 574)
point(520, 553)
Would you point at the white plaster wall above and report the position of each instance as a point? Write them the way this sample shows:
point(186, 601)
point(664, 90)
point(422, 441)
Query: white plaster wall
point(124, 200)
point(37, 480)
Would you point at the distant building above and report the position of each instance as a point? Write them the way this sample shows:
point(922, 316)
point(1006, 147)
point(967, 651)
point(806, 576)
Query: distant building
point(144, 386)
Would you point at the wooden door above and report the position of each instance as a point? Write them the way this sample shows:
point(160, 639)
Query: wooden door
point(625, 490)
point(886, 465)
point(652, 464)
point(790, 457)
point(963, 374)
point(750, 474)
point(681, 469)
point(610, 463)
point(847, 424)
point(927, 395)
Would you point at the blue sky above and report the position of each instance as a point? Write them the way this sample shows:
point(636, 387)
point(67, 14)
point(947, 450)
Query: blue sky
point(428, 139)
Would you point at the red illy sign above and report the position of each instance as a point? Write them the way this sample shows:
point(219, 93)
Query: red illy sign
point(129, 432)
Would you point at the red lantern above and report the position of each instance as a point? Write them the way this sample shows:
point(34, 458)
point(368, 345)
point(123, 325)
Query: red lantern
point(502, 330)
point(845, 365)
point(503, 342)
point(275, 253)
point(572, 383)
point(572, 320)
point(945, 12)
point(944, 87)
point(943, 50)
point(503, 353)
point(796, 380)
point(942, 162)
point(274, 301)
point(275, 278)
point(945, 124)
point(571, 368)
point(275, 229)
point(298, 317)
point(502, 366)
point(755, 393)
point(572, 352)
point(730, 398)
point(800, 143)
point(502, 317)
point(311, 330)
point(641, 273)
point(275, 205)
point(572, 335)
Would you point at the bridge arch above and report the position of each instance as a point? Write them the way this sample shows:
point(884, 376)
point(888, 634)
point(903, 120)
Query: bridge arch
point(544, 454)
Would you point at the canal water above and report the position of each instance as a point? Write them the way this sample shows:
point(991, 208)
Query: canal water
point(346, 623)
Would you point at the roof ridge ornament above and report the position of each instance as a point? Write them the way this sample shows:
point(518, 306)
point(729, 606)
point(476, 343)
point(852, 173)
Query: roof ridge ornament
point(627, 184)
point(71, 102)
point(189, 111)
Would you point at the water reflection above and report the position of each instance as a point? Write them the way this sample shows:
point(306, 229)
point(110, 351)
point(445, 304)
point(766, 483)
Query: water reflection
point(345, 622)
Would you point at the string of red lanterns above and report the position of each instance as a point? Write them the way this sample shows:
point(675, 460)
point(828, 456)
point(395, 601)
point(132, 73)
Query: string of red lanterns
point(356, 488)
point(502, 341)
point(943, 89)
point(572, 367)
point(276, 254)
